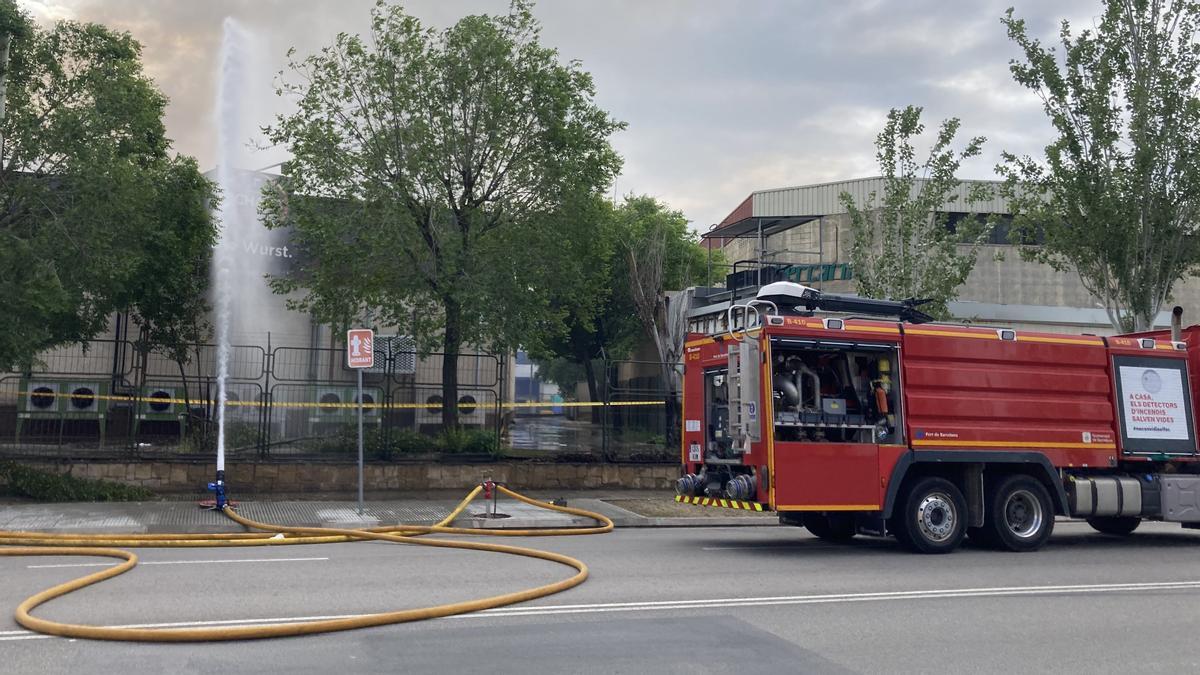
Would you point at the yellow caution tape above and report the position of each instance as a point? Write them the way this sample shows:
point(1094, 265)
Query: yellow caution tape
point(320, 404)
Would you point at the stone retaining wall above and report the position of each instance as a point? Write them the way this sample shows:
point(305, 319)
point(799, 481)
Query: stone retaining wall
point(266, 477)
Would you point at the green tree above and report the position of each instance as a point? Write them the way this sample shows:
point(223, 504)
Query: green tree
point(428, 167)
point(1116, 196)
point(660, 258)
point(167, 289)
point(598, 321)
point(561, 371)
point(903, 244)
point(85, 183)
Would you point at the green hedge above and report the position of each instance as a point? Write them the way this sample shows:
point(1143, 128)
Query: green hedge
point(400, 443)
point(46, 486)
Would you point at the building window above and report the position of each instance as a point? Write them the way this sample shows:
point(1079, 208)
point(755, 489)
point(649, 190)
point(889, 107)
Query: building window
point(1001, 234)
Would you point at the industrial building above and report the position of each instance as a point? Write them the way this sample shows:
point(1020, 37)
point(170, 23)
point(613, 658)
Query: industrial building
point(803, 234)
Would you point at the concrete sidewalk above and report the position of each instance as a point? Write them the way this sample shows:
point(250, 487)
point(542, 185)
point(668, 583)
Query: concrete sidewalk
point(419, 509)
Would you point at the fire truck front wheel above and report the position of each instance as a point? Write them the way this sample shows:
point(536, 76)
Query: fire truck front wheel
point(1019, 514)
point(933, 518)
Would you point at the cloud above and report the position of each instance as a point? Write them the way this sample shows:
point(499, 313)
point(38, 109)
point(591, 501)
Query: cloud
point(721, 98)
point(46, 10)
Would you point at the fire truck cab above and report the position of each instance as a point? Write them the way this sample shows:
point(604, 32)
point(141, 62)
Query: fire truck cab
point(933, 432)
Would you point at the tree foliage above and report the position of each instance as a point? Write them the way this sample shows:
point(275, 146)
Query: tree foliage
point(87, 190)
point(430, 175)
point(598, 322)
point(167, 289)
point(903, 247)
point(661, 258)
point(641, 255)
point(1117, 191)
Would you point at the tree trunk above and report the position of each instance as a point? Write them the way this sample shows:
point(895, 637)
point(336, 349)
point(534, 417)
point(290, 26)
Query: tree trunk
point(187, 399)
point(5, 43)
point(671, 414)
point(451, 344)
point(593, 389)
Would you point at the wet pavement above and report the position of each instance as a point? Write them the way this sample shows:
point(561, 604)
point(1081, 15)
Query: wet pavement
point(414, 509)
point(551, 434)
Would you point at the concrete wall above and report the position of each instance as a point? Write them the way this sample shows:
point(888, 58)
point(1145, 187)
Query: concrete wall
point(276, 477)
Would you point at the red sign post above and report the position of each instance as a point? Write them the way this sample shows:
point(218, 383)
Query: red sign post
point(360, 348)
point(360, 353)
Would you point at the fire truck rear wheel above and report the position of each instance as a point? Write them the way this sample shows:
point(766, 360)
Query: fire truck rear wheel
point(1121, 526)
point(933, 518)
point(1019, 515)
point(830, 526)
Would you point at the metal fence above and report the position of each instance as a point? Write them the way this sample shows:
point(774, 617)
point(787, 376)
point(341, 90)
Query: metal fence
point(106, 398)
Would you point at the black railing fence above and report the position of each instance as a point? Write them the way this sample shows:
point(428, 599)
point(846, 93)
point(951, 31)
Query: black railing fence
point(108, 399)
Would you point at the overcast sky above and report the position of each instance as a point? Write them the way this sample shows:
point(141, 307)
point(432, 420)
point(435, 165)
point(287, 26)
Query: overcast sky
point(722, 98)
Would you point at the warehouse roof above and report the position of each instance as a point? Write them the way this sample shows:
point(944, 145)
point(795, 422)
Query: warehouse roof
point(778, 209)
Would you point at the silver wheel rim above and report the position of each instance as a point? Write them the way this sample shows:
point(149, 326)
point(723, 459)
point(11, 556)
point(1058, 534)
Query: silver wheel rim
point(1023, 514)
point(936, 517)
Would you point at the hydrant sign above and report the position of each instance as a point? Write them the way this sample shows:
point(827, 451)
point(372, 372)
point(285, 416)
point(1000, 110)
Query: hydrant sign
point(360, 348)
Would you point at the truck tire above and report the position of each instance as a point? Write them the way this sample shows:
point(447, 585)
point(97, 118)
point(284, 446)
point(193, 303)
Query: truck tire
point(1121, 526)
point(837, 527)
point(1019, 515)
point(933, 518)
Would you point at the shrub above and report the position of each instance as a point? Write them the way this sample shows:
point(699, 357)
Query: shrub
point(406, 442)
point(400, 442)
point(46, 486)
point(376, 443)
point(469, 441)
point(203, 439)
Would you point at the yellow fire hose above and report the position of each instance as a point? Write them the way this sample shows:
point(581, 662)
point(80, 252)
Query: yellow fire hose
point(36, 543)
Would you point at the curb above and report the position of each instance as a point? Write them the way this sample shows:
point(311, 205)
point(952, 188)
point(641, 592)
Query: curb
point(677, 521)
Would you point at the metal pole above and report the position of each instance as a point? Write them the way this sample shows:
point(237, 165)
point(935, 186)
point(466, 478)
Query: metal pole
point(360, 442)
point(708, 277)
point(762, 249)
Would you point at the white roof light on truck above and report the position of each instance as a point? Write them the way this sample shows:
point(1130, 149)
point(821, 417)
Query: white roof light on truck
point(793, 298)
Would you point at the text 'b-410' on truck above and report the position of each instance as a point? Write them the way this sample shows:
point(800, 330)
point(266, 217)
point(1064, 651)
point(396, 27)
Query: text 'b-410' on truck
point(933, 432)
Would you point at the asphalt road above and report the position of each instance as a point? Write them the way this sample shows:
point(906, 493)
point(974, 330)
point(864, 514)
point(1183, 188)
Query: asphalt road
point(682, 600)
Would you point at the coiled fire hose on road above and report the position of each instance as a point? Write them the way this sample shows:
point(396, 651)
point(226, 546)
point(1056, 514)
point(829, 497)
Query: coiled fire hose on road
point(42, 544)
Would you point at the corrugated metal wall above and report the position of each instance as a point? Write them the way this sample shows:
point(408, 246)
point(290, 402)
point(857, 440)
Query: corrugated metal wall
point(822, 200)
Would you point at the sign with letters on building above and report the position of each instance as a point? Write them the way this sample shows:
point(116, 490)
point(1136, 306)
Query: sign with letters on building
point(1155, 405)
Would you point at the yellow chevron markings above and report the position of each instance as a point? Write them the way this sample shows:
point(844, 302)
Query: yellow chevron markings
point(719, 503)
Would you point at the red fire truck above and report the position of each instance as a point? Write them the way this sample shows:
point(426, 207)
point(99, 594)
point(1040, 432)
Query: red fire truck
point(933, 432)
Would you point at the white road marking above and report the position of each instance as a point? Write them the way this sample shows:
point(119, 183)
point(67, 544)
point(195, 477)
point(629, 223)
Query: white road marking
point(835, 598)
point(176, 562)
point(711, 603)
